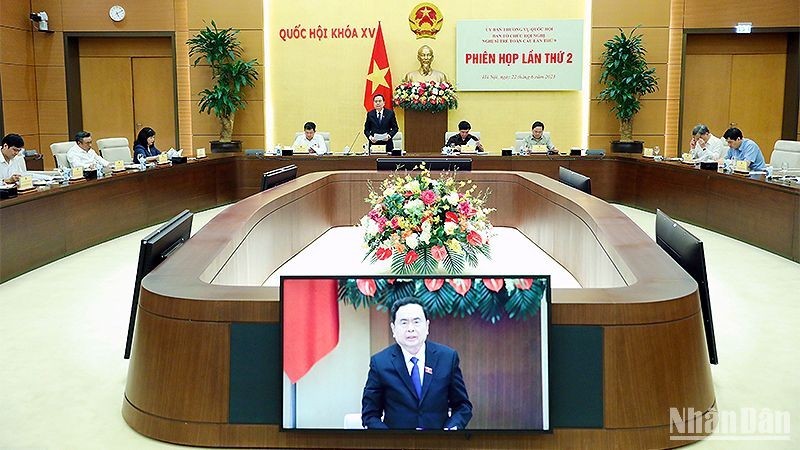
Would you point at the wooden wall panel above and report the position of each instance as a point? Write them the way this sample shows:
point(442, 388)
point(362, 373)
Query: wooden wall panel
point(106, 87)
point(141, 15)
point(242, 14)
point(51, 83)
point(53, 117)
point(14, 14)
point(759, 120)
point(154, 98)
point(736, 44)
point(31, 143)
point(19, 117)
point(649, 120)
point(706, 94)
point(49, 48)
point(630, 13)
point(17, 46)
point(766, 13)
point(18, 82)
point(125, 46)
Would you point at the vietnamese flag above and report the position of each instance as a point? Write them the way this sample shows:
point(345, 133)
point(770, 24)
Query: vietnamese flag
point(310, 324)
point(379, 77)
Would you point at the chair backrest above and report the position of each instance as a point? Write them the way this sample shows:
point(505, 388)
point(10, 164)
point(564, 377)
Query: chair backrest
point(59, 150)
point(786, 151)
point(519, 138)
point(326, 136)
point(449, 134)
point(397, 140)
point(115, 149)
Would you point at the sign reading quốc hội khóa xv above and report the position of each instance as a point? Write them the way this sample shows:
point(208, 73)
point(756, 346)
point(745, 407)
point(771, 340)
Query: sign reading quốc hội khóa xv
point(519, 55)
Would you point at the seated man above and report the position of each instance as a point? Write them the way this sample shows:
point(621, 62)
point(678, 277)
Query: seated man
point(310, 140)
point(537, 137)
point(82, 155)
point(704, 145)
point(463, 137)
point(742, 149)
point(12, 164)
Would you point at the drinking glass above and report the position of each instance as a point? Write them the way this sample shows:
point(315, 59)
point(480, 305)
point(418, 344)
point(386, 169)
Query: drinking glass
point(656, 150)
point(784, 169)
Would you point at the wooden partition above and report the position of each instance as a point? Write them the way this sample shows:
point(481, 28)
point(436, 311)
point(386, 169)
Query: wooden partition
point(653, 347)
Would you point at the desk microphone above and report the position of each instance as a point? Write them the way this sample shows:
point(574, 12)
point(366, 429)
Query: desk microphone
point(354, 140)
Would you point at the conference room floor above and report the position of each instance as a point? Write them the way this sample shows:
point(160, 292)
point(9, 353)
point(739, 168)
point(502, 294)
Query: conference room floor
point(62, 335)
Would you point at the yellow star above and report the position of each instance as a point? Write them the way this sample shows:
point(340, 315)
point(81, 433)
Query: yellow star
point(378, 77)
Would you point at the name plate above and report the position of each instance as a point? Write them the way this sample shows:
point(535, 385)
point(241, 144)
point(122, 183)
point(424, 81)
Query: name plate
point(302, 148)
point(119, 165)
point(539, 149)
point(741, 166)
point(200, 153)
point(162, 158)
point(77, 172)
point(378, 148)
point(647, 152)
point(25, 182)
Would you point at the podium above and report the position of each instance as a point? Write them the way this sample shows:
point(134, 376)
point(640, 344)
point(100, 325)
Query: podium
point(423, 132)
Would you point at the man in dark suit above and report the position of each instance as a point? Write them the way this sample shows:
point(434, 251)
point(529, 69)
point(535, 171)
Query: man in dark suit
point(414, 384)
point(380, 120)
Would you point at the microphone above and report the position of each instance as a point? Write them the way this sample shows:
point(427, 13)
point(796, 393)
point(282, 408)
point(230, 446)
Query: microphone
point(355, 138)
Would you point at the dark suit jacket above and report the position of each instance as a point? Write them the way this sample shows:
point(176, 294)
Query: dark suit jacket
point(389, 391)
point(387, 124)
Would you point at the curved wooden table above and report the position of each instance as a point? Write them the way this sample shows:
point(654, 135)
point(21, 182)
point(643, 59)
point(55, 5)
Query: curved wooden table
point(644, 307)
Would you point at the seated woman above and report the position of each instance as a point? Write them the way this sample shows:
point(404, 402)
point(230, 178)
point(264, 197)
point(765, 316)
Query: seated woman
point(145, 145)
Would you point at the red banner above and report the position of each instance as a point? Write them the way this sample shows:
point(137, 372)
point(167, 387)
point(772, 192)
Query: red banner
point(379, 77)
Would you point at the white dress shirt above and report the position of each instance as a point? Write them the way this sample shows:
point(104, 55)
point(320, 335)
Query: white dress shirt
point(14, 167)
point(315, 145)
point(420, 363)
point(715, 148)
point(77, 157)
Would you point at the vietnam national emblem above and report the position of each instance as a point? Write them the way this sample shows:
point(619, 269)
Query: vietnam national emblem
point(425, 20)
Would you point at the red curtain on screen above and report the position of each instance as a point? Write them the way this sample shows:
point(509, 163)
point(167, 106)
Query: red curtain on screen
point(311, 324)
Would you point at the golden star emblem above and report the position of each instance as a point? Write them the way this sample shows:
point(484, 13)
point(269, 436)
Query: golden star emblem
point(378, 77)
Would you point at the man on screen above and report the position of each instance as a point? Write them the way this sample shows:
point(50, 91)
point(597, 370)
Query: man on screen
point(381, 122)
point(414, 384)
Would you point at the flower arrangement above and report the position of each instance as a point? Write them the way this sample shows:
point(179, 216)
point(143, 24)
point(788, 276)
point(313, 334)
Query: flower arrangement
point(492, 298)
point(426, 96)
point(421, 222)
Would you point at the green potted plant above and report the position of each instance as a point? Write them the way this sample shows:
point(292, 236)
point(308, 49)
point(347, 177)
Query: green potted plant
point(627, 78)
point(221, 50)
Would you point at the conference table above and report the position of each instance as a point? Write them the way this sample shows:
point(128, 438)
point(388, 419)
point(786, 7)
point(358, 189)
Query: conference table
point(42, 226)
point(206, 362)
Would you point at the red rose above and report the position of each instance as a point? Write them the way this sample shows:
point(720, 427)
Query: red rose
point(383, 253)
point(461, 285)
point(493, 284)
point(367, 286)
point(474, 239)
point(411, 256)
point(450, 216)
point(438, 252)
point(428, 197)
point(523, 283)
point(434, 284)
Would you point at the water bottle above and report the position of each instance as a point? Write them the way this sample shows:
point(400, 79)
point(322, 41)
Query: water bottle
point(142, 162)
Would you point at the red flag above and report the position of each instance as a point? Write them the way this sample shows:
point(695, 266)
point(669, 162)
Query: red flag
point(310, 324)
point(379, 77)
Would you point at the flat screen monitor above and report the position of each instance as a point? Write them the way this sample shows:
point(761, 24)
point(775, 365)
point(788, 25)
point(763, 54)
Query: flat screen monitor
point(485, 364)
point(278, 176)
point(688, 252)
point(574, 179)
point(154, 249)
point(459, 164)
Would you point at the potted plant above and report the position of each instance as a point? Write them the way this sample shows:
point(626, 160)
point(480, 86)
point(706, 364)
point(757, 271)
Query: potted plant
point(627, 78)
point(221, 50)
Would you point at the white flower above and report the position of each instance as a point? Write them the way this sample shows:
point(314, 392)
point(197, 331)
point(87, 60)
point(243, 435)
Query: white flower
point(414, 206)
point(452, 198)
point(450, 227)
point(412, 240)
point(425, 236)
point(389, 191)
point(412, 186)
point(426, 226)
